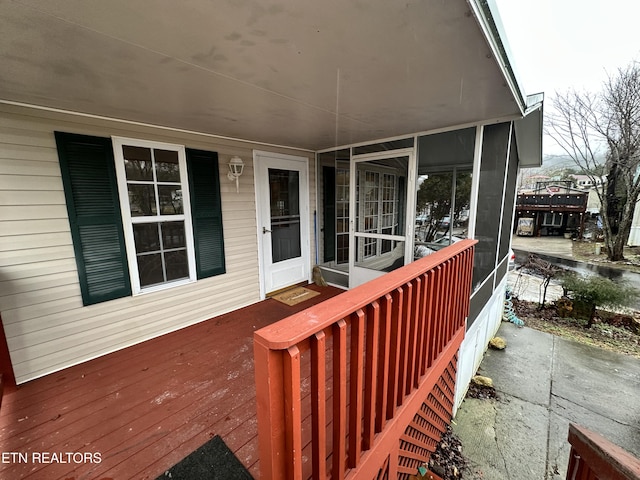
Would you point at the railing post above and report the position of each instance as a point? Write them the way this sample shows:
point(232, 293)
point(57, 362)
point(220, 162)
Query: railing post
point(269, 375)
point(318, 405)
point(595, 457)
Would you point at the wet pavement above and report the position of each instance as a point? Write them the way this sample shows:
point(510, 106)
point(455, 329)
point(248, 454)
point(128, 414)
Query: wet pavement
point(545, 382)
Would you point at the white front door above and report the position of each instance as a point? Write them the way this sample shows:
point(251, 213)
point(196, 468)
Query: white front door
point(282, 198)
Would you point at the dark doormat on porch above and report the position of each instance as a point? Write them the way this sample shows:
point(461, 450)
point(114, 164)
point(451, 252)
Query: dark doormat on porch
point(212, 461)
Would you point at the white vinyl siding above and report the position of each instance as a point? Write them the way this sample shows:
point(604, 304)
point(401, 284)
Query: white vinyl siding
point(46, 325)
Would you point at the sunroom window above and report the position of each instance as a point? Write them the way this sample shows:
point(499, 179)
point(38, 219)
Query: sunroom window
point(153, 189)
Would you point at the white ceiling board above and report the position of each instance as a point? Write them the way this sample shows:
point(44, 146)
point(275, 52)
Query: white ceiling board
point(298, 73)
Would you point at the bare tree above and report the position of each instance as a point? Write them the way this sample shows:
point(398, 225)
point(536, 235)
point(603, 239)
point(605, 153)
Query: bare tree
point(539, 267)
point(587, 125)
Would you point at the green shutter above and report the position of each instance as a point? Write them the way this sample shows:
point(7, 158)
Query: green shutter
point(206, 212)
point(88, 175)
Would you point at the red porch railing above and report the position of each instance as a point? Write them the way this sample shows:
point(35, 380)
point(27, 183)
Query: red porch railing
point(363, 384)
point(593, 457)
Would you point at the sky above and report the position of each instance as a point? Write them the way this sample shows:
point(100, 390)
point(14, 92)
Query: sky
point(558, 45)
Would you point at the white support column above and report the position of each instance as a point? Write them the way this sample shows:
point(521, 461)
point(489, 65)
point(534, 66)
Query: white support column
point(475, 182)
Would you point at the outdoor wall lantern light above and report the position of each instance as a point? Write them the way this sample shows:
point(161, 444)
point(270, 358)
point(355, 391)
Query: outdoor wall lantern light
point(236, 166)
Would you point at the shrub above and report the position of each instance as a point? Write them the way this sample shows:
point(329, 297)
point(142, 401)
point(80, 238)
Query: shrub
point(595, 291)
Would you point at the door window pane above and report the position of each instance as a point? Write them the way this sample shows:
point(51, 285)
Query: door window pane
point(394, 258)
point(284, 194)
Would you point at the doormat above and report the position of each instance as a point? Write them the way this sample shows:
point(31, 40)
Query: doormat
point(295, 296)
point(213, 461)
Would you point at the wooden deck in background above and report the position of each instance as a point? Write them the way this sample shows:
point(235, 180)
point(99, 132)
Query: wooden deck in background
point(144, 408)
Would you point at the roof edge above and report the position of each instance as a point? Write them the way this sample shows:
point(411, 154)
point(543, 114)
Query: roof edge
point(488, 17)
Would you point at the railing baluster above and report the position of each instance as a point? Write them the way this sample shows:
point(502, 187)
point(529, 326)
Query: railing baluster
point(444, 328)
point(371, 373)
point(412, 377)
point(429, 319)
point(384, 374)
point(455, 292)
point(459, 292)
point(469, 278)
point(293, 405)
point(448, 307)
point(422, 357)
point(403, 387)
point(438, 314)
point(339, 400)
point(318, 405)
point(356, 393)
point(395, 357)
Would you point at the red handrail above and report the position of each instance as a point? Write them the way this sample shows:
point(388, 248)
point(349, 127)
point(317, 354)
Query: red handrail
point(344, 378)
point(593, 457)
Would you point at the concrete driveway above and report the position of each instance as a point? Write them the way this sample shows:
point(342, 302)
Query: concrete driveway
point(544, 382)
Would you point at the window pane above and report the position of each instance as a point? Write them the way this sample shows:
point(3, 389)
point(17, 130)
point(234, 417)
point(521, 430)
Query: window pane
point(167, 169)
point(170, 199)
point(342, 209)
point(150, 269)
point(173, 235)
point(342, 255)
point(284, 189)
point(176, 265)
point(137, 163)
point(434, 204)
point(142, 200)
point(495, 141)
point(381, 147)
point(146, 237)
point(367, 256)
point(446, 149)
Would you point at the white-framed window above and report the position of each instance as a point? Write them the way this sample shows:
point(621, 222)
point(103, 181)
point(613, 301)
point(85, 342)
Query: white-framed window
point(154, 198)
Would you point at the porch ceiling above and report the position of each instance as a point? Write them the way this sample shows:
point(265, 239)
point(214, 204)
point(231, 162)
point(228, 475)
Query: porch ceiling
point(306, 74)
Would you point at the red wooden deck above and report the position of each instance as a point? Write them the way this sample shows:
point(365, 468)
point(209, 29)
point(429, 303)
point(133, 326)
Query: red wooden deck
point(144, 408)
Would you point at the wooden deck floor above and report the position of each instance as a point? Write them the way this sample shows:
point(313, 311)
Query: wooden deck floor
point(144, 408)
